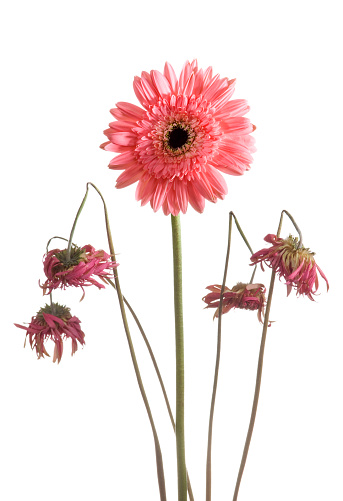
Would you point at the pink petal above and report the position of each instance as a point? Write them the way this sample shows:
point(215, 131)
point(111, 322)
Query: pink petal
point(129, 176)
point(131, 110)
point(124, 138)
point(169, 73)
point(184, 76)
point(196, 200)
point(161, 83)
point(122, 160)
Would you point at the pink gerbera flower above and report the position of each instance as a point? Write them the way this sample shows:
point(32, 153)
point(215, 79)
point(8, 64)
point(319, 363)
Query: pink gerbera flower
point(295, 264)
point(188, 131)
point(77, 269)
point(56, 323)
point(243, 296)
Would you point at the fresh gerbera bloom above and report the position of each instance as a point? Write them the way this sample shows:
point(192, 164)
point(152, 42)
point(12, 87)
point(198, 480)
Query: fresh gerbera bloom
point(295, 264)
point(188, 131)
point(56, 323)
point(243, 296)
point(78, 269)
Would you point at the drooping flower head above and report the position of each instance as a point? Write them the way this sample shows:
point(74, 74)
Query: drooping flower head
point(295, 264)
point(77, 269)
point(243, 296)
point(188, 131)
point(53, 322)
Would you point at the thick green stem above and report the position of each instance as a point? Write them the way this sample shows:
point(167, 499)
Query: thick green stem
point(258, 377)
point(180, 371)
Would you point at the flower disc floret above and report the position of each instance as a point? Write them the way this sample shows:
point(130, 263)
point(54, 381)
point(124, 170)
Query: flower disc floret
point(56, 323)
point(242, 296)
point(76, 268)
point(292, 262)
point(188, 131)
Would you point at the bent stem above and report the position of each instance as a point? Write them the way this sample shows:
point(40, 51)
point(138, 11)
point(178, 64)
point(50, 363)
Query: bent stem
point(180, 370)
point(295, 226)
point(216, 371)
point(258, 377)
point(159, 462)
point(153, 359)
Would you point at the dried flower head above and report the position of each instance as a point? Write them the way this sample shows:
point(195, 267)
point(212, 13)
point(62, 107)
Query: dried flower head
point(76, 269)
point(187, 133)
point(294, 263)
point(56, 323)
point(243, 296)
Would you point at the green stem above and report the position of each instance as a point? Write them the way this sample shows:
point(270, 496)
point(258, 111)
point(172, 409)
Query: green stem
point(159, 462)
point(77, 217)
point(295, 226)
point(258, 378)
point(153, 359)
point(216, 371)
point(52, 238)
point(180, 371)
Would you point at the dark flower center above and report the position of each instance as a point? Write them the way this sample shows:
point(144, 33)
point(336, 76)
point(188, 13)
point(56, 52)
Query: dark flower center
point(178, 137)
point(54, 309)
point(72, 260)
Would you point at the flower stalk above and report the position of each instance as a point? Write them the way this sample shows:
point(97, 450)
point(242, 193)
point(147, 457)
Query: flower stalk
point(258, 376)
point(159, 461)
point(179, 350)
point(216, 371)
point(159, 376)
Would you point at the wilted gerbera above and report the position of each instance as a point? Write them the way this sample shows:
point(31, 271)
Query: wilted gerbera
point(77, 269)
point(187, 133)
point(243, 296)
point(296, 265)
point(56, 323)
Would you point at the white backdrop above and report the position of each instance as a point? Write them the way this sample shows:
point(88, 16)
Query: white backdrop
point(79, 430)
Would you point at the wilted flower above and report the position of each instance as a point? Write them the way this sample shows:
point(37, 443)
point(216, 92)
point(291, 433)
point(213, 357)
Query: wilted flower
point(296, 265)
point(77, 269)
point(56, 323)
point(187, 133)
point(243, 296)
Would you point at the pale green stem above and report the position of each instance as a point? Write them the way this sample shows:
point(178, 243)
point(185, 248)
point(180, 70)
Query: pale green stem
point(153, 359)
point(216, 371)
point(179, 351)
point(52, 238)
point(296, 227)
point(258, 378)
point(77, 217)
point(159, 462)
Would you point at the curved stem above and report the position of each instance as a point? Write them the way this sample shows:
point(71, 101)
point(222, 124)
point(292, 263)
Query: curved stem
point(258, 378)
point(295, 226)
point(153, 359)
point(179, 352)
point(77, 217)
point(241, 233)
point(159, 462)
point(216, 371)
point(52, 238)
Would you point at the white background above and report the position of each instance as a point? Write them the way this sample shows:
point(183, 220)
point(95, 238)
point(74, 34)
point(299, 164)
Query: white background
point(79, 430)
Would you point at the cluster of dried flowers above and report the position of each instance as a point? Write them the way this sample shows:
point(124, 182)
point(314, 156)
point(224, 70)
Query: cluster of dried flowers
point(76, 268)
point(291, 261)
